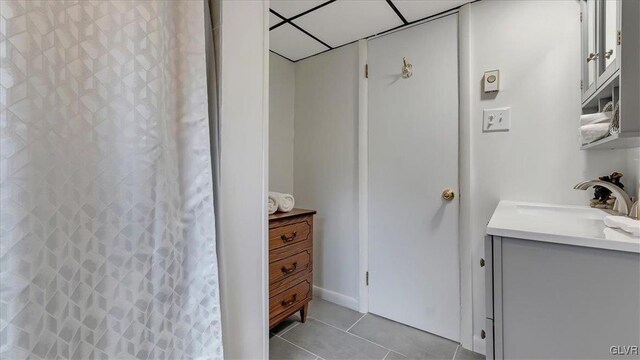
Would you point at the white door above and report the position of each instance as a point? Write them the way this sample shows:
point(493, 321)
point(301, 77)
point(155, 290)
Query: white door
point(413, 157)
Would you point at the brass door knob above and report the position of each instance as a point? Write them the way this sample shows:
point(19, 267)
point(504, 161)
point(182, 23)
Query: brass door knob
point(448, 194)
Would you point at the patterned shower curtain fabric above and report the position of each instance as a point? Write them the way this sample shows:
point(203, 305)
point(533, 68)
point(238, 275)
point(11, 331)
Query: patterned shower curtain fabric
point(107, 245)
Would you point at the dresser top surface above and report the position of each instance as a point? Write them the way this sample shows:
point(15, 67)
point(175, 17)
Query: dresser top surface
point(292, 213)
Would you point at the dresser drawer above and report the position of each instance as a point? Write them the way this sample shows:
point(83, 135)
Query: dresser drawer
point(290, 233)
point(289, 267)
point(290, 298)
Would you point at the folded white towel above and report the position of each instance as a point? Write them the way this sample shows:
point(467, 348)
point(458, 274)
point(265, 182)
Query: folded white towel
point(285, 202)
point(596, 118)
point(273, 203)
point(623, 223)
point(593, 132)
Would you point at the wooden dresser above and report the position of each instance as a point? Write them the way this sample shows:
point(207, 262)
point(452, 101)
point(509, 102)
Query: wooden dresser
point(290, 264)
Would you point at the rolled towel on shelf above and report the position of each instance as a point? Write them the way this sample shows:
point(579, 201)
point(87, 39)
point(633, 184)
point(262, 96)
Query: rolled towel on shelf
point(285, 202)
point(614, 126)
point(596, 118)
point(593, 132)
point(273, 203)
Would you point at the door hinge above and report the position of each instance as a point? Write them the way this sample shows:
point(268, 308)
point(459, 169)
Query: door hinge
point(366, 71)
point(581, 85)
point(580, 16)
point(619, 38)
point(367, 278)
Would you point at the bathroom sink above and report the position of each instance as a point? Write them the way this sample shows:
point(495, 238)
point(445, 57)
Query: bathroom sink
point(563, 224)
point(567, 212)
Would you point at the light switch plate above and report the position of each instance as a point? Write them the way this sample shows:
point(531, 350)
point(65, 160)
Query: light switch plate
point(496, 119)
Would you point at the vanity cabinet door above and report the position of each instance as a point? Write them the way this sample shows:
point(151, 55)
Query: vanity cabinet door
point(609, 45)
point(487, 263)
point(590, 54)
point(489, 340)
point(493, 300)
point(564, 301)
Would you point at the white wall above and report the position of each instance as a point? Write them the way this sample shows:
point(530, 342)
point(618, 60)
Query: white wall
point(281, 96)
point(326, 166)
point(535, 44)
point(243, 184)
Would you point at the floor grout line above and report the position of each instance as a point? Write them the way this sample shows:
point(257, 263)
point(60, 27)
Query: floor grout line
point(359, 337)
point(347, 331)
point(300, 347)
point(357, 321)
point(286, 330)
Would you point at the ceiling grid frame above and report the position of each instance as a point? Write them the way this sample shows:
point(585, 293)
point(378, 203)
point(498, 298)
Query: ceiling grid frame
point(396, 10)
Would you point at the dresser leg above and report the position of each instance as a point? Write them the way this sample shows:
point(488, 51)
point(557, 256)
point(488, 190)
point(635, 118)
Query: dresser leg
point(304, 311)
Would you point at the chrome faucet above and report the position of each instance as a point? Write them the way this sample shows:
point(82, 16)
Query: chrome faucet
point(622, 197)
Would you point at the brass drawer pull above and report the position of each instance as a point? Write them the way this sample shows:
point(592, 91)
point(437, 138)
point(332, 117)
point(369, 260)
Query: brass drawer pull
point(289, 302)
point(293, 267)
point(286, 238)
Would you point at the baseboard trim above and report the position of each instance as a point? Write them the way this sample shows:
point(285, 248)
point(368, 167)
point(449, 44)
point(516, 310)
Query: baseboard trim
point(479, 345)
point(336, 298)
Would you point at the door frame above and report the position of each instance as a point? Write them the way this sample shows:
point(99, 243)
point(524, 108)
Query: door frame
point(467, 339)
point(244, 285)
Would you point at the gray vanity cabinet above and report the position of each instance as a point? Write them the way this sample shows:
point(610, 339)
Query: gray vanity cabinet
point(554, 301)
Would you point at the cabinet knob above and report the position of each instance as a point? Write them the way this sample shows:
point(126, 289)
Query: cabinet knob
point(608, 53)
point(483, 334)
point(592, 56)
point(481, 262)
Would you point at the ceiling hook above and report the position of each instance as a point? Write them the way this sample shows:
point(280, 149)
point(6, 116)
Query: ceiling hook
point(407, 69)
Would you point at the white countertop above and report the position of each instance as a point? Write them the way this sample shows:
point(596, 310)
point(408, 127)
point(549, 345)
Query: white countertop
point(568, 225)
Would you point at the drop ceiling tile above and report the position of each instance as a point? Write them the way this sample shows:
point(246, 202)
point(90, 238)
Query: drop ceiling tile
point(345, 21)
point(291, 8)
point(273, 20)
point(413, 10)
point(292, 43)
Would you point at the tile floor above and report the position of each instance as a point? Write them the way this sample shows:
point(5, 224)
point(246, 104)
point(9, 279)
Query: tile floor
point(335, 332)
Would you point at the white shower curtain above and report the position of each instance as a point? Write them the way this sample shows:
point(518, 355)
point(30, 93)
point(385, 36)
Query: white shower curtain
point(107, 245)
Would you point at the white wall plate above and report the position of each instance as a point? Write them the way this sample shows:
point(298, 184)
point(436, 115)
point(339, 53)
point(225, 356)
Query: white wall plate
point(496, 119)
